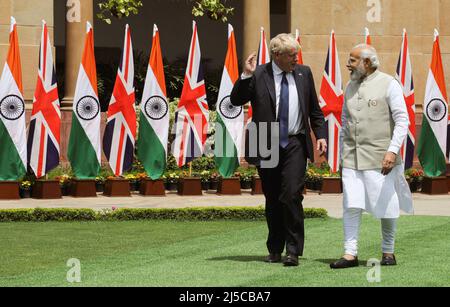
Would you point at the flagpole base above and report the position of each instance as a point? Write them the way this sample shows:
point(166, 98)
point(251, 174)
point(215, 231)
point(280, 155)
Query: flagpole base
point(257, 186)
point(117, 188)
point(435, 185)
point(229, 186)
point(331, 186)
point(190, 186)
point(47, 189)
point(152, 188)
point(9, 190)
point(82, 188)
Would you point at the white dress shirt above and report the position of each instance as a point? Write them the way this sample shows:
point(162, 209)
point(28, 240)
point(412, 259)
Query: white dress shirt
point(295, 119)
point(294, 105)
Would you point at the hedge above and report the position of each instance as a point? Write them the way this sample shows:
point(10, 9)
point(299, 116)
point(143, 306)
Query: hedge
point(185, 214)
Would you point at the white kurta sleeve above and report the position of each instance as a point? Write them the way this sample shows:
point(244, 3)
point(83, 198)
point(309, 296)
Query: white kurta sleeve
point(341, 134)
point(399, 112)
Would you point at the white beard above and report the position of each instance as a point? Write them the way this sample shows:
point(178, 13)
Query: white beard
point(359, 74)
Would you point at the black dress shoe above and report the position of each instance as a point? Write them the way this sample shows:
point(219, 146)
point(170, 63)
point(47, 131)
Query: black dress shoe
point(344, 263)
point(273, 258)
point(291, 260)
point(388, 260)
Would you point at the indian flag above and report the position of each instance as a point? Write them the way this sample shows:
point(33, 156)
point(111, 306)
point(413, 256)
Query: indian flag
point(367, 38)
point(433, 137)
point(230, 118)
point(300, 54)
point(84, 144)
point(155, 116)
point(13, 139)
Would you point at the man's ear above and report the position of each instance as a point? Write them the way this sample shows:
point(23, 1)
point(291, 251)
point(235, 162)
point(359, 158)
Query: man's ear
point(367, 63)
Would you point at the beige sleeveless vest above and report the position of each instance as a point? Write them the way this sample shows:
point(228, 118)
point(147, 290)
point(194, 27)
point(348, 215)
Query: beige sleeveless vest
point(370, 126)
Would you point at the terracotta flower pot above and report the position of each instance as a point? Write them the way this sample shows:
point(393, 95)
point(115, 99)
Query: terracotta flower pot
point(190, 186)
point(257, 186)
point(117, 187)
point(9, 190)
point(48, 189)
point(229, 186)
point(331, 185)
point(150, 187)
point(84, 188)
point(435, 185)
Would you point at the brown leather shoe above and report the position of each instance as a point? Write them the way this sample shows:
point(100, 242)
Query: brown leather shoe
point(273, 258)
point(344, 263)
point(290, 260)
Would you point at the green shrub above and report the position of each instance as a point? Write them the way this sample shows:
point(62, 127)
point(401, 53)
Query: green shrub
point(185, 214)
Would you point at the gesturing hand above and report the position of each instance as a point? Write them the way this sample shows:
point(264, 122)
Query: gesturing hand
point(388, 163)
point(250, 64)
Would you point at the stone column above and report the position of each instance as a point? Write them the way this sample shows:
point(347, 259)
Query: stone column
point(78, 13)
point(256, 15)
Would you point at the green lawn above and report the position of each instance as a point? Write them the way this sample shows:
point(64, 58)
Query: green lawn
point(213, 254)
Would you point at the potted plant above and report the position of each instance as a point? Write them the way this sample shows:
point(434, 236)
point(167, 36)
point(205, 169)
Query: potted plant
point(214, 181)
point(172, 180)
point(134, 182)
point(246, 179)
point(414, 178)
point(204, 175)
point(100, 184)
point(25, 189)
point(309, 178)
point(64, 183)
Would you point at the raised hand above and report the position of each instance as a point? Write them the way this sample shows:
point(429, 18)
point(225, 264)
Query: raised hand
point(250, 64)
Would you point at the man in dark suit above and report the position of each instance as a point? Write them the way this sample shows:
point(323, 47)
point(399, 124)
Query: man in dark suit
point(282, 93)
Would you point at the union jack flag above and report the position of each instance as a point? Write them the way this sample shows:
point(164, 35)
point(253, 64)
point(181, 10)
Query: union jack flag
point(44, 131)
point(191, 120)
point(405, 77)
point(120, 133)
point(263, 58)
point(331, 101)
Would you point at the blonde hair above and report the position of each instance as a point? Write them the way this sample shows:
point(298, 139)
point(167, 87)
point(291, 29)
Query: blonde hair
point(283, 43)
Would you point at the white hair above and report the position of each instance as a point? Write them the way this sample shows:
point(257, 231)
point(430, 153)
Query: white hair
point(368, 52)
point(283, 43)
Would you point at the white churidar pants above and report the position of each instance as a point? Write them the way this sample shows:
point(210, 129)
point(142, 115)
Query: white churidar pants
point(352, 221)
point(382, 196)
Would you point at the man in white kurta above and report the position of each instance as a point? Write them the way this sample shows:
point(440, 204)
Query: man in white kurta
point(374, 126)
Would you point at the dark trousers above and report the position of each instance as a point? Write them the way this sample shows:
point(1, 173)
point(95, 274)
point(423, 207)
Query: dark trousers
point(283, 187)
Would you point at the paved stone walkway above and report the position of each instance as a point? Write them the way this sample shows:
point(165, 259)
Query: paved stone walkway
point(423, 204)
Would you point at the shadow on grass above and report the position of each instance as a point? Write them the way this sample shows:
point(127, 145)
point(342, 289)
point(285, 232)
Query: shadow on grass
point(329, 261)
point(239, 258)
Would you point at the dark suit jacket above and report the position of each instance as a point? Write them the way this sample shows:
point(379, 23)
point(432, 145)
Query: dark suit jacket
point(260, 90)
